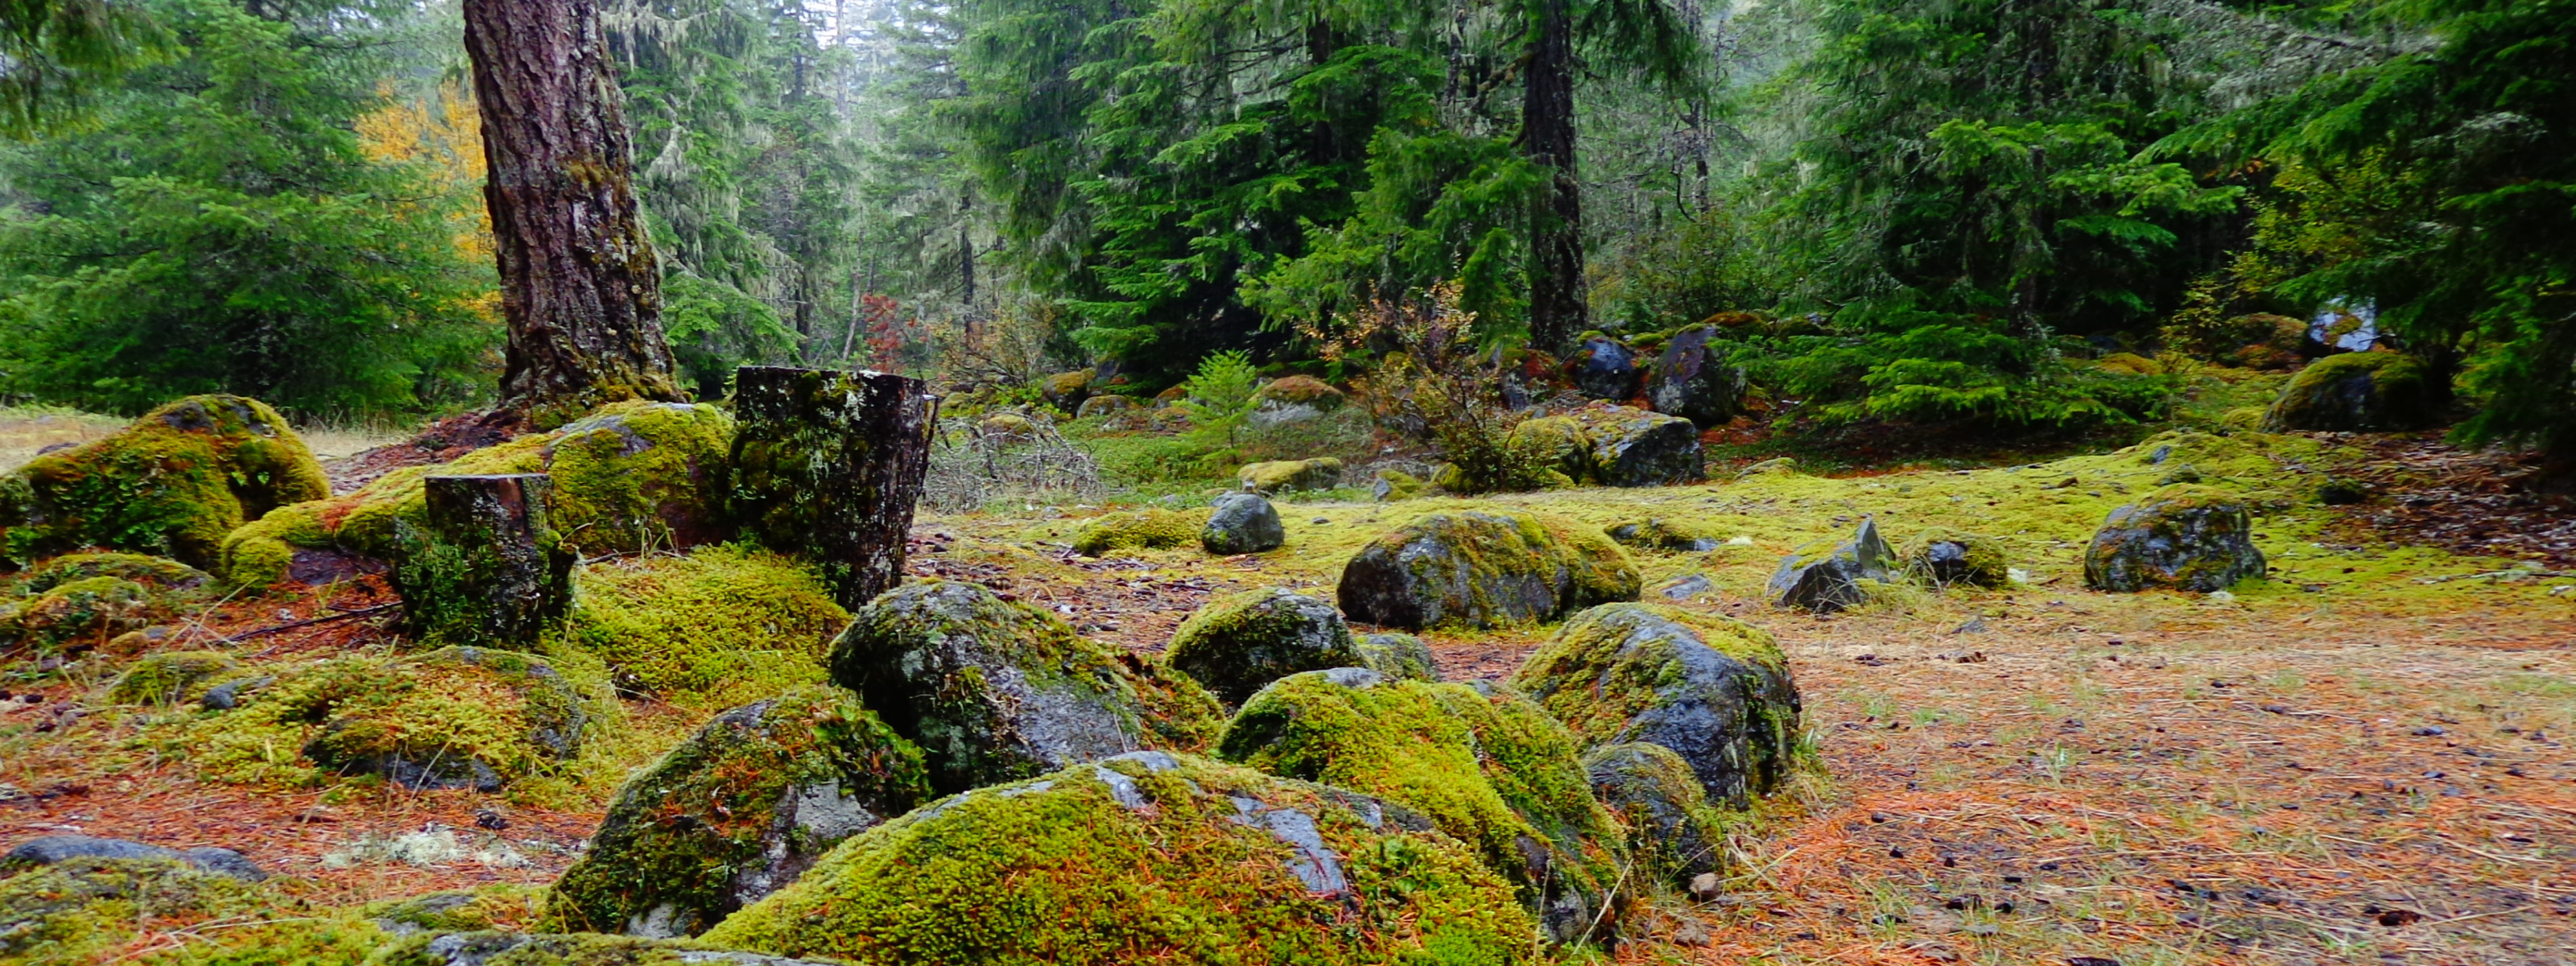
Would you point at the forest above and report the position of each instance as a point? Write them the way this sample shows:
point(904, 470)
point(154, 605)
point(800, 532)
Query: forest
point(1438, 483)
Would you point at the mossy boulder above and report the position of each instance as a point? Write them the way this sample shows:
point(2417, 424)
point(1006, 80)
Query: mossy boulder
point(1601, 367)
point(1153, 528)
point(1635, 447)
point(1009, 426)
point(171, 677)
point(1484, 764)
point(1663, 535)
point(1673, 834)
point(994, 690)
point(1694, 382)
point(2360, 392)
point(1305, 391)
point(1400, 656)
point(1713, 689)
point(458, 717)
point(1104, 406)
point(1289, 476)
point(2129, 364)
point(1236, 643)
point(1392, 485)
point(1066, 390)
point(492, 948)
point(725, 623)
point(737, 812)
point(58, 849)
point(1242, 523)
point(171, 484)
point(2183, 537)
point(1146, 857)
point(79, 910)
point(1947, 558)
point(1558, 442)
point(160, 574)
point(75, 615)
point(1825, 577)
point(633, 476)
point(1484, 569)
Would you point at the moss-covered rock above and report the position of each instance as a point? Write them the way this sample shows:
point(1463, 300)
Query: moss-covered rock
point(1484, 569)
point(1949, 557)
point(1400, 656)
point(458, 717)
point(1242, 523)
point(1667, 536)
point(2183, 537)
point(722, 623)
point(1289, 476)
point(171, 677)
point(994, 690)
point(1636, 447)
point(493, 948)
point(737, 812)
point(79, 614)
point(1694, 383)
point(2360, 392)
point(1153, 528)
point(1560, 442)
point(1146, 857)
point(173, 483)
point(1825, 577)
point(1236, 643)
point(1098, 407)
point(1485, 765)
point(1305, 391)
point(1713, 689)
point(1066, 390)
point(632, 476)
point(81, 909)
point(1673, 834)
point(1392, 485)
point(2129, 364)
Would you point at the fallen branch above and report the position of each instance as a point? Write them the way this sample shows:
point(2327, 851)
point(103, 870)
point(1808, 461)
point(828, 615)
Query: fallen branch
point(345, 615)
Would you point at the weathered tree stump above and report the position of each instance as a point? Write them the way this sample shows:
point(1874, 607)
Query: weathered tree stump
point(485, 569)
point(829, 464)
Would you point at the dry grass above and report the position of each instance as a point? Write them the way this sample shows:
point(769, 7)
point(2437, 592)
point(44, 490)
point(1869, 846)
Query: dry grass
point(28, 430)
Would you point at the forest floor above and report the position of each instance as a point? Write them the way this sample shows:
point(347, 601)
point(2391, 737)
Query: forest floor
point(2365, 758)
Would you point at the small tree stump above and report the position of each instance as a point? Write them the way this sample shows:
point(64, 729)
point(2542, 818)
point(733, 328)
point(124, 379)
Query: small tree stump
point(829, 464)
point(485, 569)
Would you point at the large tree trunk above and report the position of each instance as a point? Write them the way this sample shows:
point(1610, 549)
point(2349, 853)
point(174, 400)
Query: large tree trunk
point(1556, 228)
point(579, 284)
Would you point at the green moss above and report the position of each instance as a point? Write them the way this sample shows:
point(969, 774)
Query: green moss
point(1399, 485)
point(1143, 859)
point(1066, 390)
point(572, 949)
point(2130, 363)
point(721, 625)
point(1149, 529)
point(1299, 391)
point(171, 677)
point(1398, 656)
point(501, 905)
point(80, 910)
point(2359, 392)
point(78, 614)
point(1484, 568)
point(1945, 556)
point(1285, 476)
point(1485, 765)
point(742, 807)
point(1673, 832)
point(160, 574)
point(173, 483)
point(1562, 441)
point(1238, 642)
point(456, 716)
point(1665, 535)
point(1597, 642)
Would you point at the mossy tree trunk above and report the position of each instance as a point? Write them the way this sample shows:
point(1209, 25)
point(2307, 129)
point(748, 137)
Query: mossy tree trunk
point(1547, 133)
point(829, 464)
point(486, 569)
point(580, 287)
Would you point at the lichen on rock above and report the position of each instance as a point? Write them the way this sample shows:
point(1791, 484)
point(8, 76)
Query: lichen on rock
point(1483, 568)
point(994, 690)
point(737, 812)
point(1288, 476)
point(1663, 535)
point(1236, 643)
point(1484, 764)
point(172, 484)
point(1713, 689)
point(2181, 537)
point(1146, 857)
point(1400, 656)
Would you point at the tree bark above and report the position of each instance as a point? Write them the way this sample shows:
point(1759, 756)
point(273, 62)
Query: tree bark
point(1557, 308)
point(580, 287)
point(829, 464)
point(485, 569)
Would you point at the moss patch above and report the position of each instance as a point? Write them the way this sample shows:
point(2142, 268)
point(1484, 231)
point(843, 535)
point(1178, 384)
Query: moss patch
point(2359, 392)
point(79, 910)
point(1484, 569)
point(170, 678)
point(741, 808)
point(1236, 643)
point(720, 625)
point(1149, 529)
point(1287, 476)
point(172, 484)
point(1145, 858)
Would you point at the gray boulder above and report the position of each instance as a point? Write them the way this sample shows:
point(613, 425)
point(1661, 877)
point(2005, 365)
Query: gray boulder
point(1693, 383)
point(1826, 578)
point(1603, 368)
point(994, 690)
point(1633, 447)
point(1714, 690)
point(1672, 831)
point(737, 812)
point(52, 849)
point(1483, 569)
point(1239, 642)
point(1242, 523)
point(1400, 656)
point(2183, 537)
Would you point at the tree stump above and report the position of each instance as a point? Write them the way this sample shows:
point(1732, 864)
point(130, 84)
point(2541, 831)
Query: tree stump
point(485, 569)
point(829, 464)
